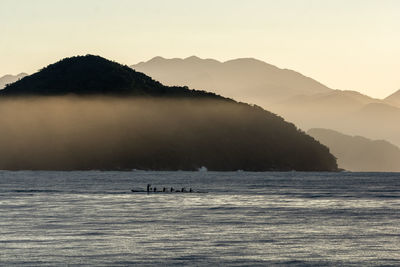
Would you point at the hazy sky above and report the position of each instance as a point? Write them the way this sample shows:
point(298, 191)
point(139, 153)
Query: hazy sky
point(345, 44)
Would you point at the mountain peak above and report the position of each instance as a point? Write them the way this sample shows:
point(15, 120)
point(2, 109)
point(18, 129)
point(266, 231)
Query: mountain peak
point(91, 74)
point(394, 99)
point(156, 59)
point(193, 58)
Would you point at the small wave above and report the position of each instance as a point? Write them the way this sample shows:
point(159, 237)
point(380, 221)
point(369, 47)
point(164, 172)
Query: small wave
point(388, 196)
point(317, 195)
point(93, 234)
point(225, 208)
point(35, 191)
point(108, 193)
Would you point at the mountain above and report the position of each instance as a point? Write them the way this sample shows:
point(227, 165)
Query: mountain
point(356, 153)
point(244, 79)
point(331, 101)
point(87, 112)
point(299, 99)
point(333, 107)
point(394, 99)
point(88, 75)
point(10, 79)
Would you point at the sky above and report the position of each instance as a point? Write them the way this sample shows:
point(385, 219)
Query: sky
point(344, 44)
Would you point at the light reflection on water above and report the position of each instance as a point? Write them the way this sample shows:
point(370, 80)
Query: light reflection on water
point(92, 218)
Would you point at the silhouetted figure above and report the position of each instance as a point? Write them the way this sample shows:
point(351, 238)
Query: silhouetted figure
point(155, 189)
point(163, 189)
point(190, 190)
point(172, 189)
point(183, 189)
point(148, 188)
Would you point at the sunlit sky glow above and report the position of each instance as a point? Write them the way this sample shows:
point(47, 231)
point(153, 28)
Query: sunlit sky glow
point(345, 44)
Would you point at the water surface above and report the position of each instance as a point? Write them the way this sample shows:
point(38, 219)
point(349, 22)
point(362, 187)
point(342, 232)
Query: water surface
point(92, 218)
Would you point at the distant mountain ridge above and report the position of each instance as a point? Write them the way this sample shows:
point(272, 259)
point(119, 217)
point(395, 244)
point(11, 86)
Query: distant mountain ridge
point(7, 79)
point(299, 99)
point(87, 112)
point(257, 78)
point(356, 153)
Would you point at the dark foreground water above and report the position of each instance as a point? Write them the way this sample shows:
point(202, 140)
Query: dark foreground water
point(92, 218)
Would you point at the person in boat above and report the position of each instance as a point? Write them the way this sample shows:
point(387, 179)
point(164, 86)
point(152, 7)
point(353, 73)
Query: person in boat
point(148, 188)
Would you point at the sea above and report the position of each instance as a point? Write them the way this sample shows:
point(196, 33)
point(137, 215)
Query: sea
point(92, 218)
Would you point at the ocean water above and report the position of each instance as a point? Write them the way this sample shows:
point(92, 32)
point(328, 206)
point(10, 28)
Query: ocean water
point(238, 219)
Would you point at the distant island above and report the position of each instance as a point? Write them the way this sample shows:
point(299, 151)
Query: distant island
point(357, 153)
point(87, 112)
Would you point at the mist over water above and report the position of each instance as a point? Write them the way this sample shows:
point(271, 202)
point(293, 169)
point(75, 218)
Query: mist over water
point(81, 133)
point(257, 219)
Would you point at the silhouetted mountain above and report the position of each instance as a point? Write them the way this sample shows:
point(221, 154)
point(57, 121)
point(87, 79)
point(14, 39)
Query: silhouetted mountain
point(356, 153)
point(331, 101)
point(244, 79)
point(297, 98)
point(7, 79)
point(122, 119)
point(394, 99)
point(86, 75)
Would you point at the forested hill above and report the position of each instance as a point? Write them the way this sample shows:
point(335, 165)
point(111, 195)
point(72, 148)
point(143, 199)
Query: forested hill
point(126, 120)
point(88, 75)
